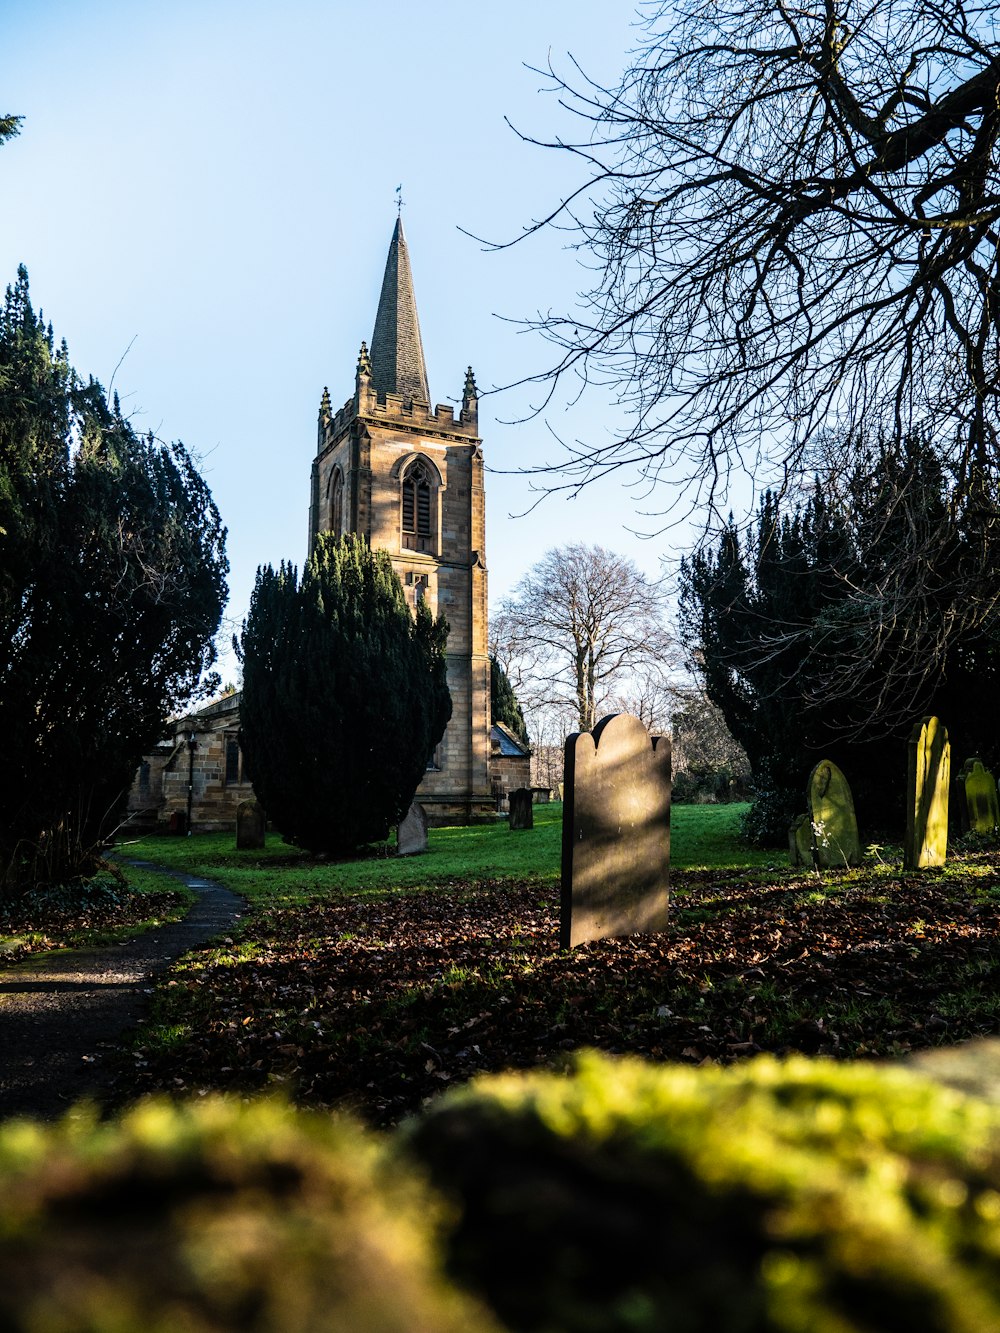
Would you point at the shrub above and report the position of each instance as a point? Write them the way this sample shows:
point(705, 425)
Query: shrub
point(215, 1217)
point(806, 1196)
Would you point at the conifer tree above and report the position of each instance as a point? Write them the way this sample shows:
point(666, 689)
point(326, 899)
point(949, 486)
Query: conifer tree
point(112, 583)
point(344, 695)
point(825, 631)
point(504, 705)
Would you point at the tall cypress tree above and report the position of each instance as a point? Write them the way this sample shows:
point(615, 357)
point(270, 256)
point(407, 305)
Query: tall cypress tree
point(112, 583)
point(344, 695)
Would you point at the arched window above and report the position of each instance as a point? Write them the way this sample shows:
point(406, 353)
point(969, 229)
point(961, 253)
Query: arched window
point(418, 506)
point(336, 510)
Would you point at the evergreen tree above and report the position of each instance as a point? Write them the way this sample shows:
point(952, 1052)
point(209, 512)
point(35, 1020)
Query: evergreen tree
point(504, 706)
point(826, 632)
point(344, 695)
point(112, 583)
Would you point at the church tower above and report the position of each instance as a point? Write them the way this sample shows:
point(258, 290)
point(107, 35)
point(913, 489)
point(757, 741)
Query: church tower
point(410, 480)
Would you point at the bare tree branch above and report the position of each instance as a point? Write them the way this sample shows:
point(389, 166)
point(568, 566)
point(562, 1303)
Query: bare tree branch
point(793, 209)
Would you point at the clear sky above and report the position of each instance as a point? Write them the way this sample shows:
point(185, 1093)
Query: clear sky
point(203, 191)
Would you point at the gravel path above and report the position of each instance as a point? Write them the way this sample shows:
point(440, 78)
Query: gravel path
point(61, 1013)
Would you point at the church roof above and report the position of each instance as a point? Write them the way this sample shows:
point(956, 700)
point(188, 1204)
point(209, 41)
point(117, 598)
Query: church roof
point(397, 354)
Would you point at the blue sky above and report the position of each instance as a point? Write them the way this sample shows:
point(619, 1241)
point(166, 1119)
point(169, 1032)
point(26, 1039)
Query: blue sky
point(206, 188)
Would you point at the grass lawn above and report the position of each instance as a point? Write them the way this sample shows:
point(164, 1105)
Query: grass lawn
point(375, 983)
point(702, 837)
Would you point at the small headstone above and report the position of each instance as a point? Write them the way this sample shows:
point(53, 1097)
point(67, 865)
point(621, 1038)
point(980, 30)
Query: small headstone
point(519, 806)
point(800, 843)
point(831, 813)
point(616, 832)
point(411, 835)
point(928, 772)
point(980, 797)
point(250, 823)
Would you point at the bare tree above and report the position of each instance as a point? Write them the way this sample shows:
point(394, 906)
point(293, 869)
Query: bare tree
point(792, 209)
point(576, 627)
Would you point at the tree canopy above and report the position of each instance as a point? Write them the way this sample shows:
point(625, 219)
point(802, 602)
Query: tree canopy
point(345, 695)
point(812, 646)
point(112, 584)
point(792, 213)
point(580, 624)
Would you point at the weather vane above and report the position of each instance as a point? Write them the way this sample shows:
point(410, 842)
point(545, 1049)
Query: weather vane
point(399, 200)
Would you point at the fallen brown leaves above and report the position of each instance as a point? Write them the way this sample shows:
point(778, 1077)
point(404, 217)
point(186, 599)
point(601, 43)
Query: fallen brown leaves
point(378, 1003)
point(78, 915)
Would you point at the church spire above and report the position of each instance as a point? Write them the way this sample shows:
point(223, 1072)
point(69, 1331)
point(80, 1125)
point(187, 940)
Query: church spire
point(397, 354)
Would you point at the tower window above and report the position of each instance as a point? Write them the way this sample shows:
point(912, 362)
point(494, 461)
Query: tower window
point(417, 510)
point(337, 503)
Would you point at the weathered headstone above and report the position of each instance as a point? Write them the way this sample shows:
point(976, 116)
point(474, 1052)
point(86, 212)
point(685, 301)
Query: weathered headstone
point(411, 835)
point(800, 842)
point(928, 772)
point(980, 797)
point(521, 815)
point(831, 813)
point(250, 825)
point(616, 832)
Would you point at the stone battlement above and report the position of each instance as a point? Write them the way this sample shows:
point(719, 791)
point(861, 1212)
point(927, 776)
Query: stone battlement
point(392, 408)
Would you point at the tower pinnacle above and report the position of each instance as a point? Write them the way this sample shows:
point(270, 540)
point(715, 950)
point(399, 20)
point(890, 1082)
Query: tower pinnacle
point(397, 354)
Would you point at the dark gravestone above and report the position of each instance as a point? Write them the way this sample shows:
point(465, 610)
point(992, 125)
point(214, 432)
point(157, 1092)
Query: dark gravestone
point(800, 843)
point(928, 777)
point(249, 826)
point(411, 836)
point(519, 805)
point(980, 791)
point(616, 832)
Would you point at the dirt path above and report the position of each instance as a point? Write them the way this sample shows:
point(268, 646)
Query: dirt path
point(61, 1013)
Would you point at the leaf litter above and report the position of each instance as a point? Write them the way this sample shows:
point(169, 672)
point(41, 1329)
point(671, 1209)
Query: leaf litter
point(377, 1003)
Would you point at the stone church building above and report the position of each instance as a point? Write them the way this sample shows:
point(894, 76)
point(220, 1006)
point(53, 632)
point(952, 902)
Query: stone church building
point(409, 478)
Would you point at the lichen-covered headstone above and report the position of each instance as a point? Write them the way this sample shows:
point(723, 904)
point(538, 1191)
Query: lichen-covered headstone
point(980, 797)
point(521, 815)
point(831, 814)
point(616, 832)
point(928, 773)
point(411, 835)
point(250, 824)
point(800, 842)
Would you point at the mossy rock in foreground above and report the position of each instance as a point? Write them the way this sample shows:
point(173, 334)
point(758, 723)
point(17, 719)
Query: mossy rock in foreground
point(803, 1196)
point(215, 1217)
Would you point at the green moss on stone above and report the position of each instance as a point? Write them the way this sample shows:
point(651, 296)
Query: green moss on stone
point(215, 1217)
point(806, 1197)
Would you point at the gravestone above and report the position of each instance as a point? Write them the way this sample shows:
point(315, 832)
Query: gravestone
point(800, 842)
point(519, 806)
point(831, 814)
point(928, 773)
point(615, 833)
point(250, 823)
point(980, 797)
point(411, 835)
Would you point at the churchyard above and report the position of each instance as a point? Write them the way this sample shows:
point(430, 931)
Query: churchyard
point(378, 982)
